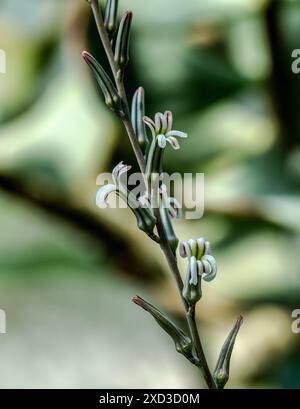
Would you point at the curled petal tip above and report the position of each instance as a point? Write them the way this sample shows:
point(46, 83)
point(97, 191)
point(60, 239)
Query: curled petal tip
point(212, 272)
point(173, 142)
point(136, 300)
point(103, 194)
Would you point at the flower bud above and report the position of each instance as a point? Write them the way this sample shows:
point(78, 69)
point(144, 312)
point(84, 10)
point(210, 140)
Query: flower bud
point(137, 115)
point(183, 344)
point(146, 221)
point(110, 17)
point(170, 234)
point(221, 372)
point(112, 98)
point(122, 42)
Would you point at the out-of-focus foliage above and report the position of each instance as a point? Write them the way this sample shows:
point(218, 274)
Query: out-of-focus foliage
point(224, 68)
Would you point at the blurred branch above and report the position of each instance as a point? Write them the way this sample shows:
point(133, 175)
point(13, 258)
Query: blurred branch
point(129, 259)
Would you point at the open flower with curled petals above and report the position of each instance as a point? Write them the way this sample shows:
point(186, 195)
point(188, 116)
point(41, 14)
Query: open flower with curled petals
point(118, 187)
point(201, 264)
point(162, 132)
point(145, 218)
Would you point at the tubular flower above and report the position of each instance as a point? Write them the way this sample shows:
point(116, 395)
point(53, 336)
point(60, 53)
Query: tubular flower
point(200, 251)
point(145, 219)
point(162, 132)
point(161, 129)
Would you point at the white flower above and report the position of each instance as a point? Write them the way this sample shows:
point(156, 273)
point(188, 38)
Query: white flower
point(145, 218)
point(106, 190)
point(118, 171)
point(162, 132)
point(199, 259)
point(103, 193)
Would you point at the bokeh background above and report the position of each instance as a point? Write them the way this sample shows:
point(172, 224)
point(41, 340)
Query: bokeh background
point(68, 270)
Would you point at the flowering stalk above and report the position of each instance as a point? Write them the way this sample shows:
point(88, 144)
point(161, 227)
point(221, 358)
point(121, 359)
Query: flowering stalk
point(155, 209)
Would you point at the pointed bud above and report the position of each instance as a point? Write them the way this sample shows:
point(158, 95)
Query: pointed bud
point(221, 372)
point(110, 17)
point(183, 344)
point(146, 221)
point(192, 291)
point(137, 115)
point(112, 98)
point(168, 227)
point(122, 42)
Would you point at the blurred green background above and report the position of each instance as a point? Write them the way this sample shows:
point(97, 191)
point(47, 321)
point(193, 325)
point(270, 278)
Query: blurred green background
point(68, 269)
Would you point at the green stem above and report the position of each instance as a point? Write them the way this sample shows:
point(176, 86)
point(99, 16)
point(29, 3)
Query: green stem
point(202, 365)
point(118, 76)
point(189, 313)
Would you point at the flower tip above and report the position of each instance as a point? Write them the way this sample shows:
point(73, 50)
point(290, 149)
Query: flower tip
point(136, 300)
point(240, 320)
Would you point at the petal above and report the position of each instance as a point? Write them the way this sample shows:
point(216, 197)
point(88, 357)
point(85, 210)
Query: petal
point(124, 169)
point(193, 247)
point(207, 248)
point(179, 134)
point(200, 268)
point(161, 140)
point(193, 271)
point(173, 142)
point(148, 121)
point(160, 123)
point(212, 261)
point(201, 246)
point(169, 119)
point(119, 170)
point(184, 249)
point(206, 267)
point(103, 193)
